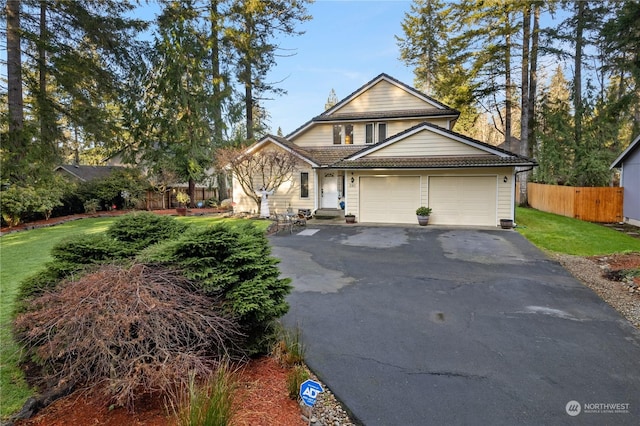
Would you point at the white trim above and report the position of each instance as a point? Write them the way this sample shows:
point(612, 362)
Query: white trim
point(316, 193)
point(624, 153)
point(513, 194)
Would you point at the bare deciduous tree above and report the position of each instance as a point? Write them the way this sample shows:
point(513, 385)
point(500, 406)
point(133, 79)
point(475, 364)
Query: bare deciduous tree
point(266, 168)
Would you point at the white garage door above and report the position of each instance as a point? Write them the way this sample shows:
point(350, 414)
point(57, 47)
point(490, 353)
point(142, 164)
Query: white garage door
point(463, 200)
point(389, 199)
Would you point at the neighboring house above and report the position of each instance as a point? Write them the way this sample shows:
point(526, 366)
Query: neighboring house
point(85, 173)
point(387, 149)
point(629, 164)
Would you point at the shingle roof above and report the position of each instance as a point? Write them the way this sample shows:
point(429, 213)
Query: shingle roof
point(328, 155)
point(431, 162)
point(349, 156)
point(323, 155)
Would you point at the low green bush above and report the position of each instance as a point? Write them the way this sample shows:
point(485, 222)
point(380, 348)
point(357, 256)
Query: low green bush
point(235, 263)
point(31, 201)
point(142, 229)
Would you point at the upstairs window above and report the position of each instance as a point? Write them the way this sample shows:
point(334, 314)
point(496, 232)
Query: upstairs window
point(375, 132)
point(368, 131)
point(343, 134)
point(382, 131)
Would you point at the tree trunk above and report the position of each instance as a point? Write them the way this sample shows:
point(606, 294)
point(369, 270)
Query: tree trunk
point(192, 193)
point(46, 135)
point(248, 87)
point(577, 79)
point(524, 110)
point(507, 82)
point(248, 80)
point(16, 146)
point(217, 82)
point(533, 77)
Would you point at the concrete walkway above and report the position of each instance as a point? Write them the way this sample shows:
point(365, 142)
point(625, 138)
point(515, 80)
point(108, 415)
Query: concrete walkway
point(417, 326)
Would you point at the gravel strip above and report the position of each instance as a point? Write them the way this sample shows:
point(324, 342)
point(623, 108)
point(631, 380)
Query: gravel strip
point(622, 296)
point(327, 411)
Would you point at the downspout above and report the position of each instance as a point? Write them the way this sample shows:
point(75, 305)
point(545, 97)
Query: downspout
point(515, 175)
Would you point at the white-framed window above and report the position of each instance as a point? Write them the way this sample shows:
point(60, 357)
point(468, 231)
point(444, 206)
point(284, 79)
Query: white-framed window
point(304, 185)
point(342, 134)
point(375, 132)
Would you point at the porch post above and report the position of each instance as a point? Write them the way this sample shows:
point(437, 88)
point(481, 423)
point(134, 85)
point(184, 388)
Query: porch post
point(316, 190)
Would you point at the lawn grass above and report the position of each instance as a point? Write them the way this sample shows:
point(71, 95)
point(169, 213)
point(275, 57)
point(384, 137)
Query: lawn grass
point(21, 255)
point(572, 236)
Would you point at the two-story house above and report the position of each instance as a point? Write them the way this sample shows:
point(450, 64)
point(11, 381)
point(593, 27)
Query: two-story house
point(387, 149)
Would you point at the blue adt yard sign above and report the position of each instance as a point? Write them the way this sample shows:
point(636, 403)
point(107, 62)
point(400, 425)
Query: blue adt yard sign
point(309, 391)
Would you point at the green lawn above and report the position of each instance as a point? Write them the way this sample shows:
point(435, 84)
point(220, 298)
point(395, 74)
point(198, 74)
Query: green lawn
point(572, 236)
point(22, 254)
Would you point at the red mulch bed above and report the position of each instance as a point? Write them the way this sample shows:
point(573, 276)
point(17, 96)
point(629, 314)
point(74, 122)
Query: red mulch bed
point(261, 400)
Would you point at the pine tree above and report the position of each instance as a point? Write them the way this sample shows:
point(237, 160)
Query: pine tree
point(14, 157)
point(250, 34)
point(174, 122)
point(554, 149)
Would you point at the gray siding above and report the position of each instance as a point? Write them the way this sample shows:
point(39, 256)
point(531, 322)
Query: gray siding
point(631, 184)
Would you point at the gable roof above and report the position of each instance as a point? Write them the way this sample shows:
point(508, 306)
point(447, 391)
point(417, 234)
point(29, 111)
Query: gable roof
point(87, 173)
point(489, 149)
point(315, 156)
point(626, 153)
point(393, 81)
point(436, 108)
point(356, 156)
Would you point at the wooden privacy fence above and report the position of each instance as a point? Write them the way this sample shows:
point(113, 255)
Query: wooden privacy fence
point(597, 204)
point(154, 199)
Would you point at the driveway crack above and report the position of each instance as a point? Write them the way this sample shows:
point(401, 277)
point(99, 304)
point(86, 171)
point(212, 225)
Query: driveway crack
point(420, 372)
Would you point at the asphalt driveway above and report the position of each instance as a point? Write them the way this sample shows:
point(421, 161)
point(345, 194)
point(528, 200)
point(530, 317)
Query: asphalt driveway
point(418, 326)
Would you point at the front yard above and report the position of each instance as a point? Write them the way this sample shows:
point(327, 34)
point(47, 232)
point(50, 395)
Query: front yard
point(586, 250)
point(24, 253)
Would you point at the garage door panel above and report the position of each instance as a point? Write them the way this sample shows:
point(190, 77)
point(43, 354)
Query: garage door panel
point(463, 200)
point(389, 199)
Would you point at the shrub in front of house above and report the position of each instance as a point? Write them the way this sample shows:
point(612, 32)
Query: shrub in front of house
point(142, 229)
point(105, 295)
point(236, 263)
point(123, 332)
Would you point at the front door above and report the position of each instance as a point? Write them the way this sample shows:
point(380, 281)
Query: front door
point(329, 196)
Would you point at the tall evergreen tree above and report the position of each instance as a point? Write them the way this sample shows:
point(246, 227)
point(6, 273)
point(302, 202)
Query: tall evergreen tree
point(75, 54)
point(253, 26)
point(555, 143)
point(14, 152)
point(175, 114)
